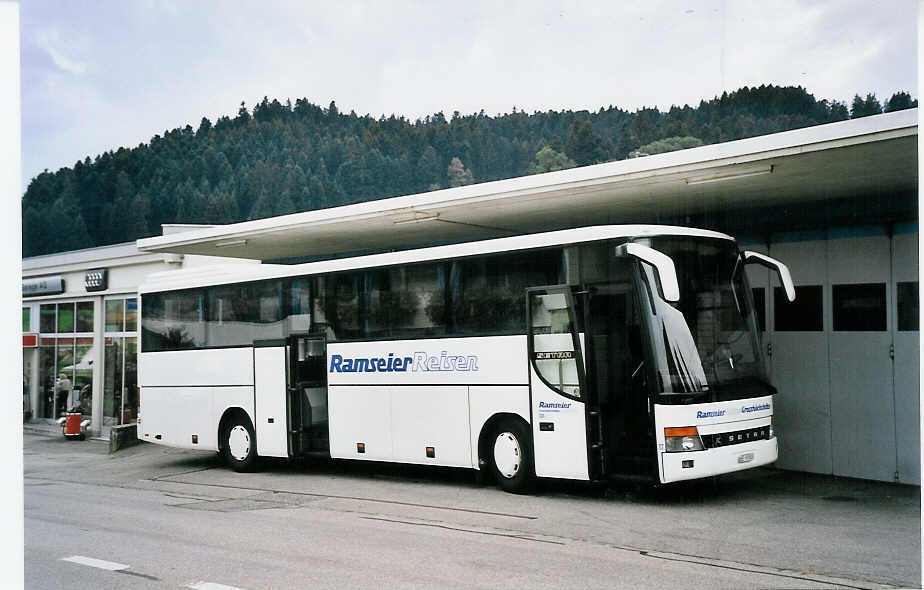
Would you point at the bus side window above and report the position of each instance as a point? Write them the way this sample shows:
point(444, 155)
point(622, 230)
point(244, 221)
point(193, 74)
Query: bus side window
point(405, 302)
point(299, 307)
point(487, 291)
point(338, 305)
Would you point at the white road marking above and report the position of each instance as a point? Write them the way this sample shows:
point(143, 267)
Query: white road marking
point(211, 586)
point(97, 563)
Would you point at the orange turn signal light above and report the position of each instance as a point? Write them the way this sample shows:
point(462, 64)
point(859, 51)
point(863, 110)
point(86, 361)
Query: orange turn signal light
point(681, 431)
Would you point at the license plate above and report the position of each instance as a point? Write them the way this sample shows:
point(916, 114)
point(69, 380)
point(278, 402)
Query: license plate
point(746, 458)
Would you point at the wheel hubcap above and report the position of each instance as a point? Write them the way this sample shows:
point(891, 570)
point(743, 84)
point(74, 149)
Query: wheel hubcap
point(507, 454)
point(239, 442)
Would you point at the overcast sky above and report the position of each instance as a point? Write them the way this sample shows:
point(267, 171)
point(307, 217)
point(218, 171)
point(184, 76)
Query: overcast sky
point(97, 75)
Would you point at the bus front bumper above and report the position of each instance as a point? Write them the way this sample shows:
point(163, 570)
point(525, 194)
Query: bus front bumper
point(697, 464)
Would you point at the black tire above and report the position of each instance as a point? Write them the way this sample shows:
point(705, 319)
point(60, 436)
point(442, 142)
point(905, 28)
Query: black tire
point(511, 446)
point(239, 445)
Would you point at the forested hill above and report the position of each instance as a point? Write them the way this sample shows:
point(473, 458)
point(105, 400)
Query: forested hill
point(281, 158)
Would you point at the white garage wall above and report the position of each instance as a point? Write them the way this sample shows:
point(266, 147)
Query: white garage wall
point(799, 367)
point(907, 363)
point(845, 407)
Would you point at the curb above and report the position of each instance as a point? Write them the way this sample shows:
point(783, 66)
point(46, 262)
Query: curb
point(44, 431)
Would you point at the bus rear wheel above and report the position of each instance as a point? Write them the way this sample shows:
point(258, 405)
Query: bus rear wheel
point(239, 445)
point(511, 457)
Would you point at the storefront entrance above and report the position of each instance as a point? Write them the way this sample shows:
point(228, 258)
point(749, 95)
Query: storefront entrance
point(66, 353)
point(120, 377)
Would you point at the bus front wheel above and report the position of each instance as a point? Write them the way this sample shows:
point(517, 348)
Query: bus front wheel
point(239, 445)
point(511, 457)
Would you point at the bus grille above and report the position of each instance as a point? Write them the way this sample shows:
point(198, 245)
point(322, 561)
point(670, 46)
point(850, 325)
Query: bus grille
point(725, 439)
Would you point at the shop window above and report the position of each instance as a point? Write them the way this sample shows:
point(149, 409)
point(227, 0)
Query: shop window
point(83, 375)
point(47, 378)
point(131, 314)
point(760, 307)
point(47, 318)
point(859, 308)
point(908, 304)
point(120, 391)
point(65, 360)
point(805, 314)
point(114, 362)
point(115, 319)
point(130, 381)
point(65, 318)
point(84, 316)
point(26, 319)
point(64, 383)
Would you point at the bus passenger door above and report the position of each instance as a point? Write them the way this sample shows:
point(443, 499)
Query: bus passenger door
point(616, 377)
point(269, 362)
point(557, 392)
point(307, 399)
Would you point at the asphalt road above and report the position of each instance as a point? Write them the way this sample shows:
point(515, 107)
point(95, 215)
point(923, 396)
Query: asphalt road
point(153, 517)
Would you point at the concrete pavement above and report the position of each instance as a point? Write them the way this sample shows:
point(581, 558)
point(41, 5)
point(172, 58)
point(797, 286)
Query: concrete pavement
point(167, 512)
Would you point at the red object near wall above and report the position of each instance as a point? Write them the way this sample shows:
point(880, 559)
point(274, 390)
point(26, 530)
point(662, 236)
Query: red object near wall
point(72, 424)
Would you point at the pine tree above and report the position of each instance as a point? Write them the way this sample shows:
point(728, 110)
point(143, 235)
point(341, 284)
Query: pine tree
point(585, 146)
point(317, 194)
point(899, 101)
point(35, 232)
point(243, 115)
point(192, 204)
point(263, 207)
point(204, 127)
point(220, 206)
point(429, 170)
point(839, 111)
point(189, 175)
point(865, 107)
point(136, 217)
point(67, 230)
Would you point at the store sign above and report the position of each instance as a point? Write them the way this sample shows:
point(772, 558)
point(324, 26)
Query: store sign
point(29, 340)
point(42, 286)
point(97, 279)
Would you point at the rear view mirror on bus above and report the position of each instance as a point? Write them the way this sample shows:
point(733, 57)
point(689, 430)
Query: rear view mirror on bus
point(662, 263)
point(773, 264)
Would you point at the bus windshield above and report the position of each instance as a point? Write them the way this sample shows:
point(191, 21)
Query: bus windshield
point(705, 345)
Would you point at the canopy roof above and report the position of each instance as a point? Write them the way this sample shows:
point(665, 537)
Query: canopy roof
point(856, 159)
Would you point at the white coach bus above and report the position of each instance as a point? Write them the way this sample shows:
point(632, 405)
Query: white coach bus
point(583, 354)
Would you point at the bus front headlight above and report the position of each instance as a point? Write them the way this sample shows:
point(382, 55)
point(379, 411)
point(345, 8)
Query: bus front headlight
point(679, 440)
